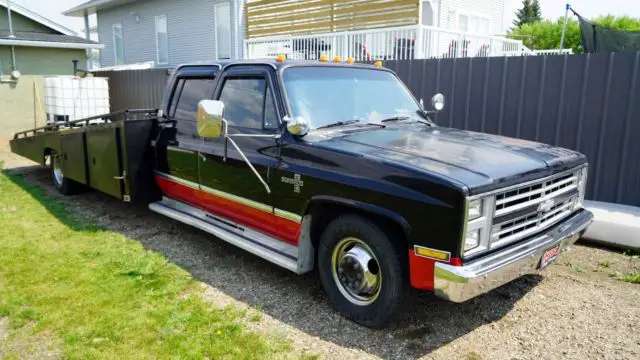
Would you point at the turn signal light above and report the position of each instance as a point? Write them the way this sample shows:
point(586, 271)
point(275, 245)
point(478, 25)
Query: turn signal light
point(432, 253)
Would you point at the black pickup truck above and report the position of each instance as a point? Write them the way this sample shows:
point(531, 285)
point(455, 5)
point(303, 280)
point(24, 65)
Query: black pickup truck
point(334, 167)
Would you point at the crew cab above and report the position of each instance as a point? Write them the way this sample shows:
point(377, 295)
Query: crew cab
point(334, 167)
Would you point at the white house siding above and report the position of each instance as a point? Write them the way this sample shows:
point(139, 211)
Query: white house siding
point(493, 9)
point(190, 30)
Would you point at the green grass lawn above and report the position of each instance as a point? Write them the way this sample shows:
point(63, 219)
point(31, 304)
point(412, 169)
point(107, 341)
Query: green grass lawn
point(102, 295)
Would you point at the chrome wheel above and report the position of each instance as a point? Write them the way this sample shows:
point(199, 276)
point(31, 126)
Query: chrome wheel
point(356, 271)
point(58, 176)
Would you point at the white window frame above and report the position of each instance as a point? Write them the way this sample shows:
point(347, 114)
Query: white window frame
point(215, 7)
point(115, 46)
point(155, 24)
point(455, 22)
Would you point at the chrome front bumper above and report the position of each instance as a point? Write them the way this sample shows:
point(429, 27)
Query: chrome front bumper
point(461, 283)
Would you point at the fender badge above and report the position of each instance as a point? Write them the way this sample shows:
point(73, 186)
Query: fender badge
point(296, 182)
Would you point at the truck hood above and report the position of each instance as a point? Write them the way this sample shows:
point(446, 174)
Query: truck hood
point(479, 161)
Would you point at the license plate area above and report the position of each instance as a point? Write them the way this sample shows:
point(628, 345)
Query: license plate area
point(549, 256)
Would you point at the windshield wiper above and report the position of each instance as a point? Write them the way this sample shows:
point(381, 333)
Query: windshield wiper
point(395, 118)
point(402, 118)
point(339, 123)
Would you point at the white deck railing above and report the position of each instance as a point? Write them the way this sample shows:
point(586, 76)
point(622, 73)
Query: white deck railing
point(402, 43)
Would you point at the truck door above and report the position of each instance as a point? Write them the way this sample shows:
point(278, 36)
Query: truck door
point(229, 189)
point(178, 170)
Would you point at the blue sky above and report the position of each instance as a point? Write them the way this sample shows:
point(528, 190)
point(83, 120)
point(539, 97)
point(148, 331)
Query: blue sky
point(550, 9)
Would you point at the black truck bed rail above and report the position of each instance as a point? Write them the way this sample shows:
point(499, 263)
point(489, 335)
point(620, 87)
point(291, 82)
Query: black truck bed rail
point(130, 114)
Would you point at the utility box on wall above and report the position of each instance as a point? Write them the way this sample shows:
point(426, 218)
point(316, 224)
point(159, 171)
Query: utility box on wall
point(69, 98)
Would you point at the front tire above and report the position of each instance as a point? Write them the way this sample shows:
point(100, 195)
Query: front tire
point(361, 270)
point(63, 184)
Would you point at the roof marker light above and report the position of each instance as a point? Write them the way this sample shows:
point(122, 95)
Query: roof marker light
point(378, 63)
point(281, 58)
point(350, 60)
point(337, 59)
point(324, 58)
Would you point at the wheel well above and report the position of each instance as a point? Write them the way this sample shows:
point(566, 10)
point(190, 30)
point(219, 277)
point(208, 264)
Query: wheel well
point(325, 212)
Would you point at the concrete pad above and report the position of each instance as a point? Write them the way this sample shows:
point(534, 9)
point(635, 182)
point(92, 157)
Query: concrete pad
point(614, 225)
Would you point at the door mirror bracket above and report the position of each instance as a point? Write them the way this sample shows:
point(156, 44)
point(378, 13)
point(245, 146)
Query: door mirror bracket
point(212, 125)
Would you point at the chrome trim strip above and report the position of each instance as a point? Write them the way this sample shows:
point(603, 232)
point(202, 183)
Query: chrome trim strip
point(288, 215)
point(244, 201)
point(179, 149)
point(528, 183)
point(178, 180)
point(461, 283)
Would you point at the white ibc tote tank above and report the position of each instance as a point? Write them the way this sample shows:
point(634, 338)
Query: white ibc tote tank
point(72, 98)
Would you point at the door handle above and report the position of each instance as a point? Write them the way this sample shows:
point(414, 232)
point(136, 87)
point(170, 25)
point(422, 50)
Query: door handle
point(123, 177)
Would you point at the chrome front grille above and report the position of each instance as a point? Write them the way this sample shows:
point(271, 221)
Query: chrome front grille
point(527, 225)
point(520, 198)
point(526, 210)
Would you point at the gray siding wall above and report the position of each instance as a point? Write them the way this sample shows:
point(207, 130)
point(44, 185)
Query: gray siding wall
point(589, 103)
point(191, 30)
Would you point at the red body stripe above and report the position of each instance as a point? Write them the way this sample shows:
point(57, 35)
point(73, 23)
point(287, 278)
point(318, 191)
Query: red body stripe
point(288, 230)
point(179, 192)
point(421, 270)
point(259, 220)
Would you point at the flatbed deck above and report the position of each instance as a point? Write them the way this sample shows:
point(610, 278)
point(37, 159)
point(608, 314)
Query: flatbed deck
point(110, 152)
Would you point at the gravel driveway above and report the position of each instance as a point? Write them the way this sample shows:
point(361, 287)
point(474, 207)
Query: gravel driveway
point(576, 311)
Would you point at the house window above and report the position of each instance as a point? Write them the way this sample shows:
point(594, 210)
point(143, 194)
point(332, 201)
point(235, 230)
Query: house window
point(118, 44)
point(162, 42)
point(223, 30)
point(474, 24)
point(428, 13)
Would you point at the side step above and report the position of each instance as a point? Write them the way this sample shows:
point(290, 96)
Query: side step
point(273, 250)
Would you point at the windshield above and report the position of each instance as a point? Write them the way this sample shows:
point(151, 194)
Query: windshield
point(326, 95)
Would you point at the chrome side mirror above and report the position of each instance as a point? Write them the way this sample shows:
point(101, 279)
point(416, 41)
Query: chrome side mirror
point(210, 119)
point(296, 125)
point(437, 102)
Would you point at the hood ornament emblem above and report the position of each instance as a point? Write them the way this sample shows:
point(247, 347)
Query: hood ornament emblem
point(546, 206)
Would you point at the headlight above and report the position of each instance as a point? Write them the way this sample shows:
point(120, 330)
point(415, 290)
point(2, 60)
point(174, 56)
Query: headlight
point(472, 240)
point(476, 234)
point(474, 209)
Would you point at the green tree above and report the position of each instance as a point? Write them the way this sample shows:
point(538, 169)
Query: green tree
point(529, 13)
point(546, 34)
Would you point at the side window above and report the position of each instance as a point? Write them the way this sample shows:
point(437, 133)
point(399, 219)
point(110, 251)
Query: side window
point(176, 95)
point(248, 103)
point(193, 91)
point(270, 114)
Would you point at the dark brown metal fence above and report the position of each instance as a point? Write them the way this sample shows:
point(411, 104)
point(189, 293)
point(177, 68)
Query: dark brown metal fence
point(590, 103)
point(135, 89)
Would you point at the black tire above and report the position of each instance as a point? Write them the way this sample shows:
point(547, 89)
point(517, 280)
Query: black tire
point(376, 310)
point(63, 184)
